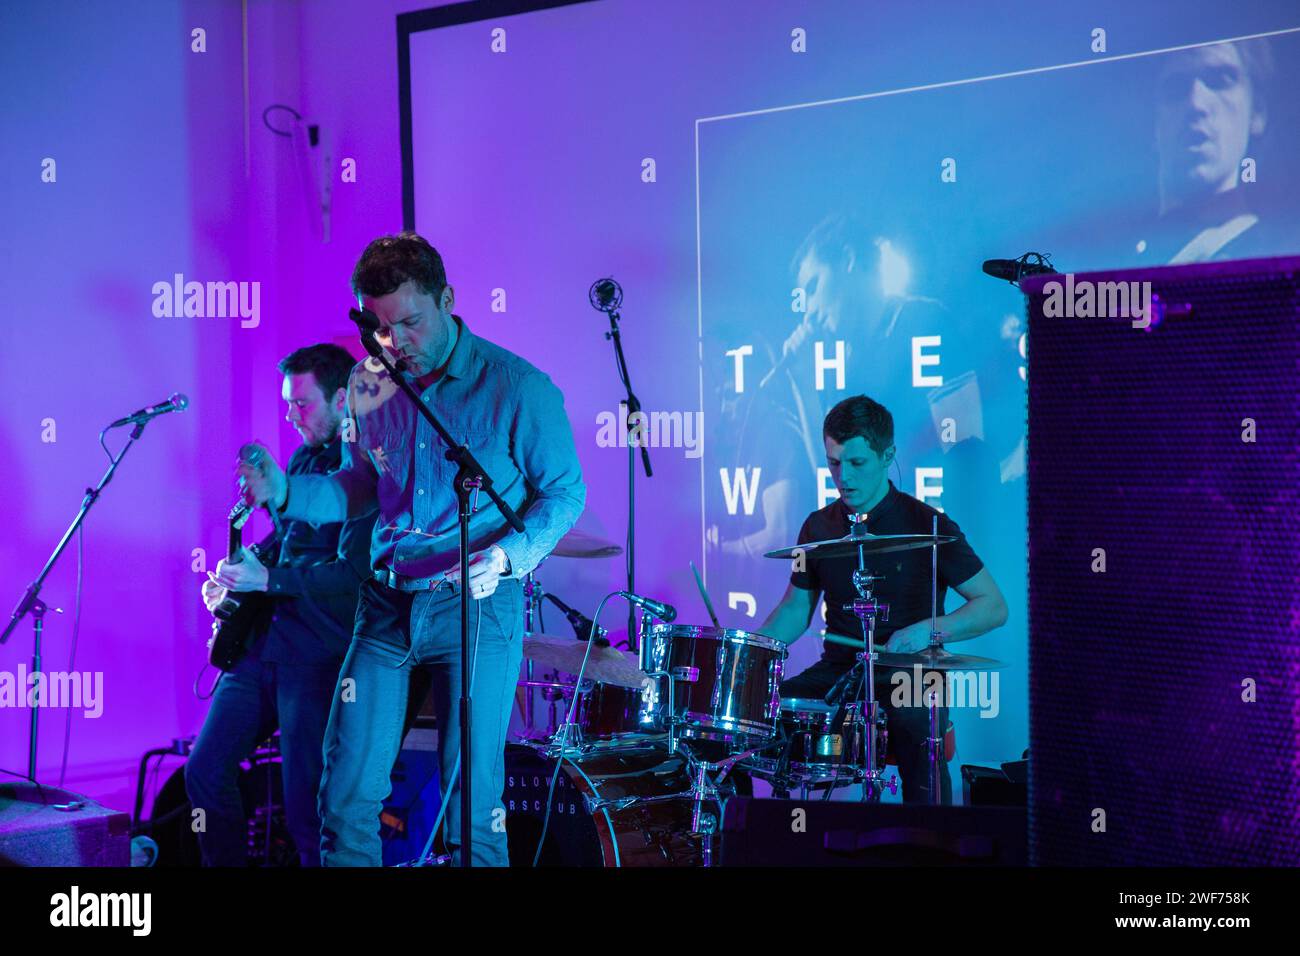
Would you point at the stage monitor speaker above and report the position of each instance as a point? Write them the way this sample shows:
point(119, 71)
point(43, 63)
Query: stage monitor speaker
point(48, 826)
point(1164, 561)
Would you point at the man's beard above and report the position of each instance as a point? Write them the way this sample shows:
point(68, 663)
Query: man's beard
point(321, 439)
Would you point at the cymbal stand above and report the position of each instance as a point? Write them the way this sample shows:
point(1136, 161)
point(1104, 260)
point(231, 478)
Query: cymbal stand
point(934, 743)
point(866, 609)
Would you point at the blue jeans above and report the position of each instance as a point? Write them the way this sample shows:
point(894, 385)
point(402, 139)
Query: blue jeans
point(249, 703)
point(395, 632)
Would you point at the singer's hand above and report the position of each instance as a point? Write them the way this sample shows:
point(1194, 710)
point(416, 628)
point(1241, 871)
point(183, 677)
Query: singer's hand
point(485, 570)
point(797, 338)
point(264, 483)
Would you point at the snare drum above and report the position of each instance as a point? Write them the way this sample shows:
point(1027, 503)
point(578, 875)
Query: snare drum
point(814, 747)
point(724, 684)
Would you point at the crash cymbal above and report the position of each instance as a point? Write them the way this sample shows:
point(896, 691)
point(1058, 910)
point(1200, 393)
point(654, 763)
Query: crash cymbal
point(580, 544)
point(607, 665)
point(847, 547)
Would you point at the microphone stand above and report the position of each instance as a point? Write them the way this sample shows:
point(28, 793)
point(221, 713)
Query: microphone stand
point(633, 405)
point(31, 603)
point(470, 476)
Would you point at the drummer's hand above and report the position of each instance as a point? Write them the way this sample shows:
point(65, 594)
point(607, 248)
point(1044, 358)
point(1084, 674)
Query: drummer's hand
point(485, 570)
point(909, 640)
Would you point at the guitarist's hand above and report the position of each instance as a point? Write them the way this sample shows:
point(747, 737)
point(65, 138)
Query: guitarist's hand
point(264, 483)
point(246, 574)
point(213, 593)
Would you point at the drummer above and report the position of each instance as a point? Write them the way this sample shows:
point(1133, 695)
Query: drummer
point(859, 438)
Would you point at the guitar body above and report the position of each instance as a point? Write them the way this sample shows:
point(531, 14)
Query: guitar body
point(238, 618)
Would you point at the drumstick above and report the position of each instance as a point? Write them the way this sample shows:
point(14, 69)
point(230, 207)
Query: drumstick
point(699, 583)
point(846, 641)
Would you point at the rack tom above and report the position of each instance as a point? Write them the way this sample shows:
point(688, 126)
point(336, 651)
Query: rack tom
point(724, 682)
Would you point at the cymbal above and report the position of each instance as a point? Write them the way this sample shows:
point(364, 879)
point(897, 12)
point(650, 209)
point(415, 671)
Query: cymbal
point(938, 659)
point(847, 547)
point(580, 544)
point(932, 658)
point(606, 664)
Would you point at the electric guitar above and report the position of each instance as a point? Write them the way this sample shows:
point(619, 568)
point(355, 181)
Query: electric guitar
point(239, 614)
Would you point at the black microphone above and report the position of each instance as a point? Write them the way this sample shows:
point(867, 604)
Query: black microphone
point(665, 612)
point(605, 295)
point(580, 622)
point(785, 359)
point(1013, 270)
point(836, 694)
point(367, 324)
point(177, 403)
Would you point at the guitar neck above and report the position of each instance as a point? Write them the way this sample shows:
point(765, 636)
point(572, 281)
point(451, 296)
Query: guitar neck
point(235, 545)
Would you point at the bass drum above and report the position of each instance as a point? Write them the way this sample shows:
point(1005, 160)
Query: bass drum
point(614, 807)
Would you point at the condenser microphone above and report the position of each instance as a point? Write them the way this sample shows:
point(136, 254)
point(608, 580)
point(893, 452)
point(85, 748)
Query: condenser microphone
point(605, 295)
point(1013, 270)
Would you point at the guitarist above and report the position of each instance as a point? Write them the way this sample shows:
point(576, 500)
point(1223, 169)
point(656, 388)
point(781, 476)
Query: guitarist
point(286, 678)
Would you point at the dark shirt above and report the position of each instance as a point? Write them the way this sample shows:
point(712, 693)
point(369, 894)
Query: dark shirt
point(316, 577)
point(906, 584)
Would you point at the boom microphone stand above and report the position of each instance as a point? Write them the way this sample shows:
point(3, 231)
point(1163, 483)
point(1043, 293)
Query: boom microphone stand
point(606, 295)
point(470, 476)
point(30, 602)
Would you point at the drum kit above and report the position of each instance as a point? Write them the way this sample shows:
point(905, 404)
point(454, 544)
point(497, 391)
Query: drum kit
point(639, 752)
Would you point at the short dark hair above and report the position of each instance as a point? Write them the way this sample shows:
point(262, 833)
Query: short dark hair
point(331, 364)
point(833, 239)
point(390, 261)
point(860, 416)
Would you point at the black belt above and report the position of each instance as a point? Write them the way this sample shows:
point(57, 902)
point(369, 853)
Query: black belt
point(400, 582)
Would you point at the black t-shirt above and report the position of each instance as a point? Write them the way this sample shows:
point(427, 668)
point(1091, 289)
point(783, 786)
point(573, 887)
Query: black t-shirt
point(906, 584)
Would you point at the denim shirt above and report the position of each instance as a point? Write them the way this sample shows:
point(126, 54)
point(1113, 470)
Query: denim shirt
point(512, 418)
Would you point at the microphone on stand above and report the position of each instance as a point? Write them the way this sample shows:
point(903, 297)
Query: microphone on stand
point(841, 687)
point(665, 612)
point(367, 324)
point(605, 295)
point(580, 622)
point(1013, 270)
point(177, 403)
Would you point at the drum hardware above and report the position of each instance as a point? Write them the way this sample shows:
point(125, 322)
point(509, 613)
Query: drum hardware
point(866, 609)
point(934, 743)
point(721, 708)
point(532, 608)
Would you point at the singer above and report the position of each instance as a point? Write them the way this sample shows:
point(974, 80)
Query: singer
point(512, 417)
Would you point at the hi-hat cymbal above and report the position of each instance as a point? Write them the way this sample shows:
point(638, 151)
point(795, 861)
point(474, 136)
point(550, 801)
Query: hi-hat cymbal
point(580, 544)
point(607, 665)
point(847, 547)
point(932, 658)
point(938, 659)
